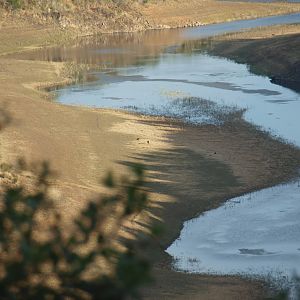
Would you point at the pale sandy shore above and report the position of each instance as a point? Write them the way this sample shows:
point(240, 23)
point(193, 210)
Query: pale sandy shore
point(189, 169)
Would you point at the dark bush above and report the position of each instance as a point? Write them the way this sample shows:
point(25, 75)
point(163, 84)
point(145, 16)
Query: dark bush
point(41, 260)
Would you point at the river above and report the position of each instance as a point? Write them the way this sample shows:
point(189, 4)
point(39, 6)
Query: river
point(254, 235)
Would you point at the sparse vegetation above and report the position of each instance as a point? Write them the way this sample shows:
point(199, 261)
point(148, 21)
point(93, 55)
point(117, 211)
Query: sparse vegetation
point(92, 16)
point(13, 3)
point(197, 110)
point(83, 17)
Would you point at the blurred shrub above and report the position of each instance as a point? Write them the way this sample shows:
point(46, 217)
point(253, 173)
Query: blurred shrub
point(14, 4)
point(40, 259)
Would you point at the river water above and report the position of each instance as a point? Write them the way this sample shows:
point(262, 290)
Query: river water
point(257, 234)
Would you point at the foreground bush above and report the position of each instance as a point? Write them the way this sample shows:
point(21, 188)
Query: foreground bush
point(41, 260)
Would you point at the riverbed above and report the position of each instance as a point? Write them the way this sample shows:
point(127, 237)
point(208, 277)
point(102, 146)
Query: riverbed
point(254, 235)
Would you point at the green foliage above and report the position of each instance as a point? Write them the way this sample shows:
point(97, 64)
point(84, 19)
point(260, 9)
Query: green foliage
point(14, 4)
point(41, 260)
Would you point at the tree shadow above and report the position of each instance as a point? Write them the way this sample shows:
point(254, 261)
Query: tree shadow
point(194, 182)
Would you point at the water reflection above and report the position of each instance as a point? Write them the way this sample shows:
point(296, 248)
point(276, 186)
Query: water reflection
point(110, 50)
point(153, 68)
point(141, 48)
point(199, 75)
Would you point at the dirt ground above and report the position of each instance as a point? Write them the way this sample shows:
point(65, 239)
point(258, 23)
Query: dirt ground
point(90, 17)
point(190, 169)
point(174, 13)
point(207, 166)
point(276, 48)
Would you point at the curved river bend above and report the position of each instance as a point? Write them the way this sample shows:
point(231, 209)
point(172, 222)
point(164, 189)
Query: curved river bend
point(256, 234)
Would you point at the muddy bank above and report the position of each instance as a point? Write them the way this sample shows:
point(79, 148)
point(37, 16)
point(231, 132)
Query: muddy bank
point(272, 52)
point(172, 13)
point(211, 164)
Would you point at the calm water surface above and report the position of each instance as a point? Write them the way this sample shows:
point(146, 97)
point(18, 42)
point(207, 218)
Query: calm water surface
point(254, 235)
point(257, 234)
point(154, 88)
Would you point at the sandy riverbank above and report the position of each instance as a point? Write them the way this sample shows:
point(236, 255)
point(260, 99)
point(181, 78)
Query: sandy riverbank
point(173, 13)
point(210, 165)
point(190, 169)
point(87, 18)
